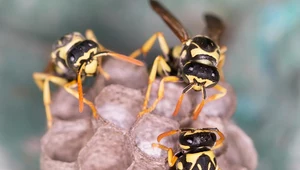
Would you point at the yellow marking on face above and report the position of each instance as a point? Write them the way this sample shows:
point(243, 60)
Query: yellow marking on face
point(91, 68)
point(85, 56)
point(197, 87)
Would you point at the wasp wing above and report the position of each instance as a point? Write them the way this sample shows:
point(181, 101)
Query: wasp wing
point(214, 27)
point(170, 20)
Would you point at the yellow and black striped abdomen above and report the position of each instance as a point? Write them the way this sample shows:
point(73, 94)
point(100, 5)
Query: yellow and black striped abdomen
point(205, 160)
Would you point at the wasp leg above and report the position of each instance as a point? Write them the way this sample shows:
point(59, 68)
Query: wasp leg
point(171, 157)
point(42, 80)
point(220, 141)
point(159, 60)
point(221, 62)
point(211, 98)
point(91, 36)
point(185, 90)
point(219, 95)
point(101, 71)
point(68, 88)
point(149, 43)
point(39, 80)
point(160, 94)
point(165, 134)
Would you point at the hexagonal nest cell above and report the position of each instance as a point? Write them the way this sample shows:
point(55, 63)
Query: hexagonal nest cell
point(120, 141)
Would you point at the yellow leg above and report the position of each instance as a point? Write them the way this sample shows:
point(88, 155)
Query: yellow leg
point(68, 88)
point(47, 101)
point(160, 94)
point(171, 157)
point(221, 62)
point(165, 134)
point(211, 98)
point(38, 81)
point(149, 43)
point(220, 141)
point(42, 80)
point(159, 60)
point(219, 95)
point(101, 71)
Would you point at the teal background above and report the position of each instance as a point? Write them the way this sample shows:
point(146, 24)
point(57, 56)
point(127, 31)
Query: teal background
point(262, 64)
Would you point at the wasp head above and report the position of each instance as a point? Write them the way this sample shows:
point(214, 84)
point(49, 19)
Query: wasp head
point(206, 75)
point(197, 139)
point(81, 55)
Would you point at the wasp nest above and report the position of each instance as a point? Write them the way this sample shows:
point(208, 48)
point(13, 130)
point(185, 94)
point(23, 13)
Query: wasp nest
point(120, 141)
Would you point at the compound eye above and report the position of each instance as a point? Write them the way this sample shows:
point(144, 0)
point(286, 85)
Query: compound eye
point(213, 75)
point(72, 59)
point(189, 140)
point(90, 44)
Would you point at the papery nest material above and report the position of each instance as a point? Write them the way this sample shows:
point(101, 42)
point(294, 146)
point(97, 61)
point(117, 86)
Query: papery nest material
point(121, 141)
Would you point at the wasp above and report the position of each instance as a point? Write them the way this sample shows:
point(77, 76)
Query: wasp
point(74, 57)
point(197, 147)
point(197, 61)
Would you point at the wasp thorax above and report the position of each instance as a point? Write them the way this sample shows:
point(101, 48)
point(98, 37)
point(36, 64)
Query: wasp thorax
point(205, 43)
point(200, 49)
point(80, 53)
point(199, 139)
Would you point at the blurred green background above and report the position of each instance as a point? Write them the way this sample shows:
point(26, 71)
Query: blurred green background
point(263, 64)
